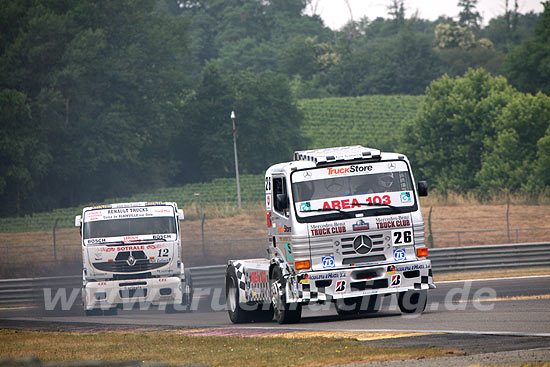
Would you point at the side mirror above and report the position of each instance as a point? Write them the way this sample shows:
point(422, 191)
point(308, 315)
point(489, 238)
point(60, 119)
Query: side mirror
point(78, 221)
point(282, 202)
point(180, 214)
point(422, 188)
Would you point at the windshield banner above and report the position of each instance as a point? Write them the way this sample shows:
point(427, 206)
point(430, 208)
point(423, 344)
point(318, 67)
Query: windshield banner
point(350, 170)
point(126, 213)
point(366, 201)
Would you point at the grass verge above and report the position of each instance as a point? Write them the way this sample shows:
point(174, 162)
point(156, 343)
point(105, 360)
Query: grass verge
point(171, 348)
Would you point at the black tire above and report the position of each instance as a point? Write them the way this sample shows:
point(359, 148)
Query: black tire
point(188, 297)
point(369, 304)
point(110, 312)
point(348, 306)
point(412, 301)
point(236, 314)
point(93, 312)
point(285, 313)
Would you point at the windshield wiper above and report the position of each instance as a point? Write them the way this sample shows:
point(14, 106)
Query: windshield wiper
point(376, 204)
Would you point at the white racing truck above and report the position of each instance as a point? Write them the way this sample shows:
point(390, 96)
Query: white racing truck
point(131, 256)
point(344, 226)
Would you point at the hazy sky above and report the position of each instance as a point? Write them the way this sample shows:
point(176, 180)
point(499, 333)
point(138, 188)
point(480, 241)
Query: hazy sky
point(335, 13)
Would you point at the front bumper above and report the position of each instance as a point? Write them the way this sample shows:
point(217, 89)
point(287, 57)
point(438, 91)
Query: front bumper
point(110, 294)
point(319, 286)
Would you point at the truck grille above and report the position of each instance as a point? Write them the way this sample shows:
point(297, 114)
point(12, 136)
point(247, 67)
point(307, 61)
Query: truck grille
point(124, 267)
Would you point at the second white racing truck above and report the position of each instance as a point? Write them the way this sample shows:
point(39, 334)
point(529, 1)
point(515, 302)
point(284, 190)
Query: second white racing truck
point(131, 255)
point(344, 226)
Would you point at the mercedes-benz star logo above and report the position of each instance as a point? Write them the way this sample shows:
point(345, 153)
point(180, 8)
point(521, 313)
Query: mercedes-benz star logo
point(131, 261)
point(362, 244)
point(307, 174)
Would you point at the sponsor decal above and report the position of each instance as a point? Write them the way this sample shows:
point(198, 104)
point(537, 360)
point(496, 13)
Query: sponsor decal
point(305, 207)
point(340, 286)
point(327, 228)
point(162, 236)
point(95, 240)
point(360, 225)
point(413, 267)
point(393, 222)
point(347, 170)
point(153, 247)
point(328, 262)
point(258, 277)
point(130, 238)
point(155, 203)
point(295, 287)
point(159, 260)
point(395, 280)
point(268, 202)
point(391, 269)
point(284, 229)
point(406, 197)
point(288, 253)
point(326, 276)
point(399, 254)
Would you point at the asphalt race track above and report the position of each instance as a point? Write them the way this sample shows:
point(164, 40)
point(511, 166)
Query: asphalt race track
point(482, 316)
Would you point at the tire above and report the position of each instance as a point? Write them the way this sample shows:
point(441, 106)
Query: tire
point(110, 312)
point(412, 301)
point(348, 306)
point(285, 313)
point(369, 304)
point(236, 314)
point(188, 291)
point(93, 312)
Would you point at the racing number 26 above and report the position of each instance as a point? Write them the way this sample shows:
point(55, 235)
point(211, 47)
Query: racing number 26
point(402, 237)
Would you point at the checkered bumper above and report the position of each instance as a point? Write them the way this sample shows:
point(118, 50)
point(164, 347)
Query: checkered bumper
point(360, 281)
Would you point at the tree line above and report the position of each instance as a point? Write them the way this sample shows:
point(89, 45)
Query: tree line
point(105, 99)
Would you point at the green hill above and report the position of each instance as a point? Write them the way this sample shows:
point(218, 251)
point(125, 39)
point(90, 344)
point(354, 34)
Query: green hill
point(372, 121)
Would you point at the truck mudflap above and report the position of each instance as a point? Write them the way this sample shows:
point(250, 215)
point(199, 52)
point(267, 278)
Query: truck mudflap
point(335, 284)
point(156, 291)
point(253, 279)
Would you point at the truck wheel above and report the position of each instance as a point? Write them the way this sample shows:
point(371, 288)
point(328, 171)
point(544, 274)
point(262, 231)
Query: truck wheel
point(412, 301)
point(188, 290)
point(348, 306)
point(236, 314)
point(285, 313)
point(110, 312)
point(93, 312)
point(369, 304)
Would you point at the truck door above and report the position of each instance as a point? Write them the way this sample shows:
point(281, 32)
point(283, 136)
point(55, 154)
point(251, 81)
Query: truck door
point(281, 217)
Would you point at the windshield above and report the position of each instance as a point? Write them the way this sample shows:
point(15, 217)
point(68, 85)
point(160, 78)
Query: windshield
point(358, 187)
point(129, 224)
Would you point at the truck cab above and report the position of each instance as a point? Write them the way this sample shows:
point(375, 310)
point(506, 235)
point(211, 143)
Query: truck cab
point(344, 225)
point(131, 255)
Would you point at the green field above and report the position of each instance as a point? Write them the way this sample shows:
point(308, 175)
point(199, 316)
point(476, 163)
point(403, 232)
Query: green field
point(372, 121)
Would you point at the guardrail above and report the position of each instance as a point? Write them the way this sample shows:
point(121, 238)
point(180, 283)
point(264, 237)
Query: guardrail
point(30, 290)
